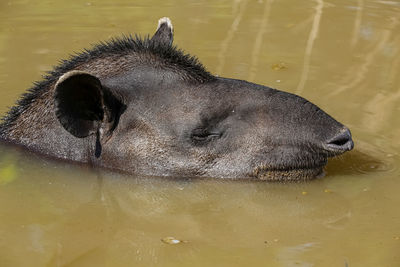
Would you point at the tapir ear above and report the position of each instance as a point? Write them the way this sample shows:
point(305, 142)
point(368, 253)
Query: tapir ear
point(79, 103)
point(165, 32)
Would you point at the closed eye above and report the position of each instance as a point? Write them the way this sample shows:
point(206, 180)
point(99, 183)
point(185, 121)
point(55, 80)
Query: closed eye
point(201, 136)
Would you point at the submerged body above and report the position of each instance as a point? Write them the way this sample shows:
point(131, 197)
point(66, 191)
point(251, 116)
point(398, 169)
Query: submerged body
point(145, 107)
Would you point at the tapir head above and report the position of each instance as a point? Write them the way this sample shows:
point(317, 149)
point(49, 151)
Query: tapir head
point(163, 114)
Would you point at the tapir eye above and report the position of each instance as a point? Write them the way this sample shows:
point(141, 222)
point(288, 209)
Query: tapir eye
point(201, 136)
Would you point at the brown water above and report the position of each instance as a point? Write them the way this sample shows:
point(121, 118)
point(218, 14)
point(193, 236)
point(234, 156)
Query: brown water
point(342, 55)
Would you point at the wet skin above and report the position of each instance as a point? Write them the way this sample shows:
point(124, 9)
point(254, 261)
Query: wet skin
point(144, 107)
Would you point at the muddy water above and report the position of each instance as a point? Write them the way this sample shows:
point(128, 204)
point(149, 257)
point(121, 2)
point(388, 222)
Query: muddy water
point(342, 55)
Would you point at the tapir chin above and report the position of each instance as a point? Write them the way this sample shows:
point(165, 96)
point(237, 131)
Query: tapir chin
point(142, 106)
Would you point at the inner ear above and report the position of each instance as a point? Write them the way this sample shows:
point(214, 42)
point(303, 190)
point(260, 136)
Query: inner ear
point(79, 103)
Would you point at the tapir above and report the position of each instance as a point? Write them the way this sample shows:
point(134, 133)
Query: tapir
point(144, 107)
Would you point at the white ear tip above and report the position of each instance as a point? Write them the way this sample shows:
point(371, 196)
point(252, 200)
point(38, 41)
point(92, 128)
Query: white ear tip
point(163, 21)
point(68, 75)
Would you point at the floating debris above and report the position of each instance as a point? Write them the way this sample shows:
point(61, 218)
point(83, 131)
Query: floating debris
point(327, 191)
point(271, 242)
point(304, 193)
point(279, 66)
point(172, 240)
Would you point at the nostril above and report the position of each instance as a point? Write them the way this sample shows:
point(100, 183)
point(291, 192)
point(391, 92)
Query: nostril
point(341, 142)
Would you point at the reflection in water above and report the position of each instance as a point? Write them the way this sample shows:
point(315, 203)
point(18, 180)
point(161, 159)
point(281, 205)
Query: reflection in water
point(339, 222)
point(370, 59)
point(289, 256)
point(237, 17)
point(343, 56)
point(259, 40)
point(310, 44)
point(357, 22)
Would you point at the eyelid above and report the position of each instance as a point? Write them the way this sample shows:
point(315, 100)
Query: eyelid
point(203, 136)
point(199, 131)
point(205, 132)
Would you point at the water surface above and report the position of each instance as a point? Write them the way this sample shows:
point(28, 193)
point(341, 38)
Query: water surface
point(342, 55)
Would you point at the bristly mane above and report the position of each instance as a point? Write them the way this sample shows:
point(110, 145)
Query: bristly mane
point(114, 47)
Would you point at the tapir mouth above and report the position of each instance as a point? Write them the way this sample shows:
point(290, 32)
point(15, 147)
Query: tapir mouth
point(289, 174)
point(302, 163)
